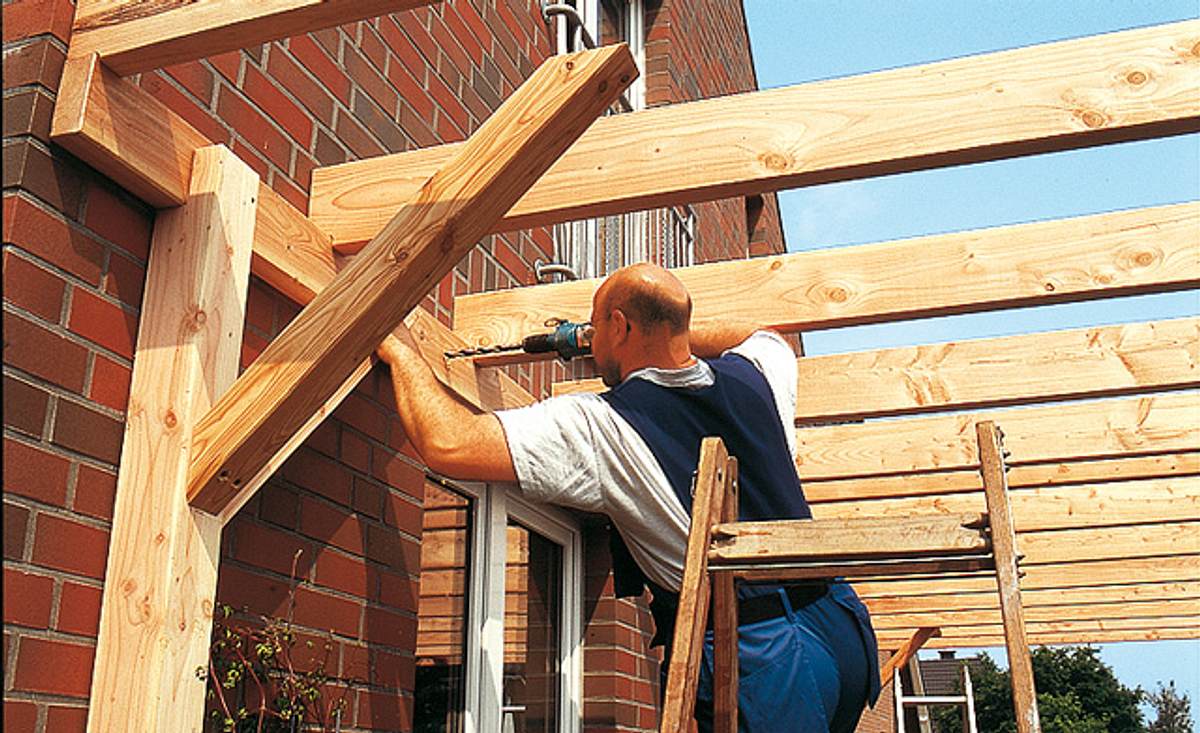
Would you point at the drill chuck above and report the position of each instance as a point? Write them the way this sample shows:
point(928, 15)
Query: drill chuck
point(568, 339)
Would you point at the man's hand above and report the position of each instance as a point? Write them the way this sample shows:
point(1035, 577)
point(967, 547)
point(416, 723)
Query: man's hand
point(398, 344)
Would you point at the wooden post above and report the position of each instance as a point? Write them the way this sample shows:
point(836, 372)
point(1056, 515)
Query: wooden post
point(156, 613)
point(906, 651)
point(690, 620)
point(725, 623)
point(313, 357)
point(1004, 547)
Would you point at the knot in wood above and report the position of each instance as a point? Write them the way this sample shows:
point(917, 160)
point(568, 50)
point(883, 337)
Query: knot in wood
point(197, 319)
point(1136, 78)
point(170, 420)
point(776, 265)
point(1143, 259)
point(775, 161)
point(1092, 118)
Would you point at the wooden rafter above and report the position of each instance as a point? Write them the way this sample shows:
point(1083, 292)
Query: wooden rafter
point(1120, 86)
point(132, 36)
point(1119, 253)
point(321, 348)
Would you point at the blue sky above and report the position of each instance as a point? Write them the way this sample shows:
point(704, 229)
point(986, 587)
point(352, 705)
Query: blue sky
point(795, 41)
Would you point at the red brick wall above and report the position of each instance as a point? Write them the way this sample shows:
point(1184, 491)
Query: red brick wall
point(74, 257)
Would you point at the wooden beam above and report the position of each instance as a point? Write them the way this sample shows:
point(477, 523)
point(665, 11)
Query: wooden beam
point(1052, 507)
point(136, 36)
point(1058, 96)
point(900, 659)
point(805, 540)
point(1057, 365)
point(725, 621)
point(1034, 475)
point(318, 350)
point(156, 612)
point(950, 618)
point(1110, 543)
point(1099, 256)
point(1074, 632)
point(1090, 429)
point(1134, 593)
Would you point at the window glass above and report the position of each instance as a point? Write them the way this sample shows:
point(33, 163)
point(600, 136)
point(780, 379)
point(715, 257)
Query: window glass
point(533, 589)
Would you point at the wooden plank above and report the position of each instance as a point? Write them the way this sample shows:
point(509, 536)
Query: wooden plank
point(906, 651)
point(1056, 507)
point(1084, 632)
point(806, 540)
point(1098, 256)
point(138, 36)
point(951, 617)
point(1110, 543)
point(1133, 593)
point(683, 673)
point(1065, 473)
point(1058, 365)
point(929, 567)
point(156, 613)
point(1089, 429)
point(1008, 579)
point(124, 132)
point(1057, 96)
point(725, 622)
point(321, 347)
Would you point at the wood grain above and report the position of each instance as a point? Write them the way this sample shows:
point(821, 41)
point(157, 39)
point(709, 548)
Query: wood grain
point(899, 660)
point(1089, 429)
point(1103, 255)
point(1058, 96)
point(156, 614)
point(345, 322)
point(1133, 593)
point(725, 621)
point(140, 36)
point(1094, 632)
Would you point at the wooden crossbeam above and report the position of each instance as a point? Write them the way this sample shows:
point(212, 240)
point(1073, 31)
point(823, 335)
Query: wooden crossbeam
point(156, 612)
point(1074, 632)
point(1089, 429)
point(310, 360)
point(949, 618)
point(1087, 362)
point(1057, 96)
point(1112, 595)
point(133, 36)
point(1104, 255)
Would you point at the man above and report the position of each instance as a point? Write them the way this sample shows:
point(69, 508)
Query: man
point(807, 654)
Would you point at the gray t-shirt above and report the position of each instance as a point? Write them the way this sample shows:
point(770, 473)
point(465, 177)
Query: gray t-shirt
point(576, 451)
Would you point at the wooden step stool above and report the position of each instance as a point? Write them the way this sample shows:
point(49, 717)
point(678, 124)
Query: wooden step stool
point(798, 550)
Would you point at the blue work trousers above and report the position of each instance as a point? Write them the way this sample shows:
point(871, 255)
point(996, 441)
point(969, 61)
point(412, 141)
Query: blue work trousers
point(810, 671)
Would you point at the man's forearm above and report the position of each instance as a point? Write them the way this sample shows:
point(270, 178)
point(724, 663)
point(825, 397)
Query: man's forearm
point(710, 340)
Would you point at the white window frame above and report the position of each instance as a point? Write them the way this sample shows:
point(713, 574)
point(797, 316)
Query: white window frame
point(494, 506)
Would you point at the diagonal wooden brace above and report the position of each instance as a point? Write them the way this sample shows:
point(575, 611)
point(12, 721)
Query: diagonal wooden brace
point(312, 358)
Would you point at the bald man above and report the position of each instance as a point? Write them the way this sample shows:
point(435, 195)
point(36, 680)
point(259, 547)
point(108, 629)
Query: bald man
point(807, 653)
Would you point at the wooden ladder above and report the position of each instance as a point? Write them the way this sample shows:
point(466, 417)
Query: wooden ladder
point(722, 551)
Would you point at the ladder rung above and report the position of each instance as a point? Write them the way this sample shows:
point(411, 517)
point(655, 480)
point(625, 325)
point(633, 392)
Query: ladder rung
point(933, 700)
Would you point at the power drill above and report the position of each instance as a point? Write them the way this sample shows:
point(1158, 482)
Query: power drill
point(568, 340)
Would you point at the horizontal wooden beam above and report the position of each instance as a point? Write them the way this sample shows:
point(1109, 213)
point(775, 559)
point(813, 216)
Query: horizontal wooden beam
point(136, 36)
point(1109, 543)
point(1133, 593)
point(309, 361)
point(1053, 507)
point(1057, 96)
point(1082, 632)
point(1057, 365)
point(950, 618)
point(1090, 429)
point(1098, 256)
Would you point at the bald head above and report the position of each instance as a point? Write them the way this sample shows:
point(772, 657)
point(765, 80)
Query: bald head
point(650, 297)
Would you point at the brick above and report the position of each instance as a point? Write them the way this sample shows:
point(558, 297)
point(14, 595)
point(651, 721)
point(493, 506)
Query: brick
point(382, 626)
point(355, 452)
point(40, 63)
point(314, 58)
point(448, 102)
point(28, 112)
point(125, 280)
point(278, 505)
point(20, 716)
point(392, 670)
point(327, 612)
point(372, 46)
point(110, 383)
point(416, 128)
point(66, 719)
point(401, 512)
point(27, 599)
point(227, 64)
point(26, 345)
point(396, 590)
point(31, 228)
point(368, 498)
point(311, 470)
point(79, 609)
point(32, 287)
point(340, 572)
point(399, 474)
point(286, 188)
point(35, 473)
point(312, 95)
point(253, 127)
point(87, 431)
point(25, 18)
point(330, 525)
point(363, 415)
point(355, 137)
point(54, 667)
point(452, 50)
point(252, 158)
point(404, 49)
point(383, 710)
point(95, 492)
point(370, 80)
point(183, 105)
point(16, 524)
point(384, 545)
point(244, 589)
point(103, 323)
point(25, 407)
point(194, 77)
point(283, 111)
point(32, 168)
point(270, 549)
point(327, 150)
point(66, 545)
point(463, 34)
point(382, 126)
point(121, 220)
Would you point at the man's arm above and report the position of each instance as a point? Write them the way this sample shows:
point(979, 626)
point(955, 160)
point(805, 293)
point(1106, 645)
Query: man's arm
point(711, 340)
point(451, 438)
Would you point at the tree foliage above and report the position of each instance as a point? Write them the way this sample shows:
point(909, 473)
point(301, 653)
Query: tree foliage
point(1172, 710)
point(1077, 693)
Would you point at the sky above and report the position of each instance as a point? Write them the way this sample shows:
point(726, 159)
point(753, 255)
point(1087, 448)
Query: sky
point(796, 41)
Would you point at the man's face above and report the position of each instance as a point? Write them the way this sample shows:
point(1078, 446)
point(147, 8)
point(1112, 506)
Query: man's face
point(607, 365)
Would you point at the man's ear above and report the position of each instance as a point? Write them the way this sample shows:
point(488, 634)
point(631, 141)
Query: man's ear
point(620, 326)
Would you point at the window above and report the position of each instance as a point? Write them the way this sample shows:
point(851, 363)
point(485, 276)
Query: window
point(666, 236)
point(499, 614)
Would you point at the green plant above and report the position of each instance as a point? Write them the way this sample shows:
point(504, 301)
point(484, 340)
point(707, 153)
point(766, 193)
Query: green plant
point(254, 682)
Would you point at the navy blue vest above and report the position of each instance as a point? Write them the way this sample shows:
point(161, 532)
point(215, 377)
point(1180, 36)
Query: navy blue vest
point(740, 408)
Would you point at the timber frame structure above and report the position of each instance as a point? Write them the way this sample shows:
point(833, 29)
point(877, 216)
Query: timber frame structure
point(1105, 485)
